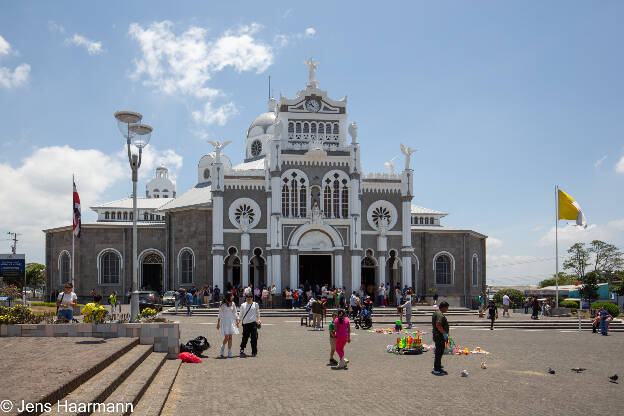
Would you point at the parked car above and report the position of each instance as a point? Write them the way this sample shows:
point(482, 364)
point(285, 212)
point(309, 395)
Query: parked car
point(169, 298)
point(149, 299)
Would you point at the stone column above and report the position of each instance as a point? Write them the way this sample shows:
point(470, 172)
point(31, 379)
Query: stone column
point(381, 260)
point(277, 271)
point(245, 259)
point(338, 268)
point(294, 269)
point(356, 270)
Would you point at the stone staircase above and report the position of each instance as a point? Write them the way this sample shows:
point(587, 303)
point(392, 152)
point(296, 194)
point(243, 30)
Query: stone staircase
point(138, 375)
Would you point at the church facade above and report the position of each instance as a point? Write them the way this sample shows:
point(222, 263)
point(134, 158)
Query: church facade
point(298, 210)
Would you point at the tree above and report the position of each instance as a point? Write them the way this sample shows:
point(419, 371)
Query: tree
point(35, 274)
point(589, 290)
point(606, 257)
point(516, 296)
point(564, 279)
point(578, 260)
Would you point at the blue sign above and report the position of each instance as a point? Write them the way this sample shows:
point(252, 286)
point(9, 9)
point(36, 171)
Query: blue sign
point(12, 265)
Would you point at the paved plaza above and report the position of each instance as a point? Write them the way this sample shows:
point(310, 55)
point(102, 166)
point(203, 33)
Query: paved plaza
point(290, 374)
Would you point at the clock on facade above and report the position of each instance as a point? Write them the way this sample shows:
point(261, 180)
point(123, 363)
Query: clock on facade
point(256, 148)
point(312, 106)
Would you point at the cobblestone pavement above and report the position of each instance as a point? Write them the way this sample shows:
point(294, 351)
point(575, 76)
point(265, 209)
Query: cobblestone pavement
point(32, 368)
point(290, 374)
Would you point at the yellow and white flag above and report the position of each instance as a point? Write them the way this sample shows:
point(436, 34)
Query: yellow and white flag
point(569, 209)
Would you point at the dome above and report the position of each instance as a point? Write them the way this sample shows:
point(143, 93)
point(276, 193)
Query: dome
point(261, 124)
point(162, 168)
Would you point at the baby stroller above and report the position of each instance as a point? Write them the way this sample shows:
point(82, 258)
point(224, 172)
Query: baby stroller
point(363, 319)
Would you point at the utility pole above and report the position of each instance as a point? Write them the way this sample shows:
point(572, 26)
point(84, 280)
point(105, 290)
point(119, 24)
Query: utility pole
point(14, 239)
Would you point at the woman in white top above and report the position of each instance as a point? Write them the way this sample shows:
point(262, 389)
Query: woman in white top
point(227, 322)
point(66, 302)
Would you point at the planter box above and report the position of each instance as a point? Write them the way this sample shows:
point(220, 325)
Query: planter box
point(165, 337)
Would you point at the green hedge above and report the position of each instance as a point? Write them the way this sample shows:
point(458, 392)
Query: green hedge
point(516, 296)
point(570, 304)
point(612, 308)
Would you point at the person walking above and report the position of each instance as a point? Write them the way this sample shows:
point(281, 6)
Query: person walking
point(440, 336)
point(227, 322)
point(216, 293)
point(317, 309)
point(65, 303)
point(188, 298)
point(272, 292)
point(265, 297)
point(250, 312)
point(332, 339)
point(407, 307)
point(112, 299)
point(353, 304)
point(492, 313)
point(506, 304)
point(342, 326)
point(380, 294)
point(535, 306)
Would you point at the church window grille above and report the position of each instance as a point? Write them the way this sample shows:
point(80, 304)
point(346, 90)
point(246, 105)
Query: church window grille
point(427, 221)
point(131, 216)
point(328, 128)
point(475, 270)
point(336, 201)
point(422, 220)
point(306, 127)
point(285, 198)
point(313, 128)
point(443, 270)
point(327, 194)
point(65, 269)
point(125, 215)
point(294, 196)
point(335, 128)
point(381, 213)
point(110, 267)
point(256, 148)
point(151, 217)
point(186, 267)
point(106, 215)
point(119, 215)
point(345, 199)
point(321, 128)
point(291, 127)
point(145, 216)
point(431, 221)
point(302, 199)
point(298, 128)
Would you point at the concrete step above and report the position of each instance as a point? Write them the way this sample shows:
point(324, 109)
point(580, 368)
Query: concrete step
point(133, 387)
point(156, 394)
point(101, 385)
point(273, 313)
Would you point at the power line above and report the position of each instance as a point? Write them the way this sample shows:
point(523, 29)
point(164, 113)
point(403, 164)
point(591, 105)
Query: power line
point(15, 240)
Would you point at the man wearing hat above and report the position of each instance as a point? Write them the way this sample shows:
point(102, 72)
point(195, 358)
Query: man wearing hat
point(250, 318)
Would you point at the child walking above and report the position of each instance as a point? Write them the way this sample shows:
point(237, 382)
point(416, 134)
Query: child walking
point(343, 335)
point(332, 339)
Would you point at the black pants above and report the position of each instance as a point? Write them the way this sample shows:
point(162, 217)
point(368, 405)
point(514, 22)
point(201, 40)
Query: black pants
point(439, 351)
point(492, 318)
point(250, 329)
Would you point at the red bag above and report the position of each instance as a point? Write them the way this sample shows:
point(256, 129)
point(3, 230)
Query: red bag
point(187, 357)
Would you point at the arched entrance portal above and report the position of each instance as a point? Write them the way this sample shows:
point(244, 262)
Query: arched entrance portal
point(256, 269)
point(232, 265)
point(152, 272)
point(393, 273)
point(369, 265)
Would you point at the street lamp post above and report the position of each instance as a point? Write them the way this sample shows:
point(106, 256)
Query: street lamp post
point(139, 135)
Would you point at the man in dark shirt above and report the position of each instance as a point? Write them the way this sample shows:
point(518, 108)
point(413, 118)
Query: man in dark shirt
point(492, 313)
point(317, 311)
point(440, 335)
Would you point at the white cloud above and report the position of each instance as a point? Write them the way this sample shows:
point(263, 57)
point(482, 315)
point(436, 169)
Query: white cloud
point(619, 167)
point(599, 161)
point(16, 78)
point(55, 27)
point(184, 63)
point(210, 115)
point(570, 233)
point(92, 47)
point(310, 32)
point(151, 158)
point(43, 190)
point(493, 243)
point(5, 47)
point(509, 269)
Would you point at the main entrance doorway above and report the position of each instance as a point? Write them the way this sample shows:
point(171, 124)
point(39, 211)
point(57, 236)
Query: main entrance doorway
point(315, 270)
point(151, 273)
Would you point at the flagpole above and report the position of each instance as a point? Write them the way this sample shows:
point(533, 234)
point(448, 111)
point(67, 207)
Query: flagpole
point(556, 246)
point(72, 233)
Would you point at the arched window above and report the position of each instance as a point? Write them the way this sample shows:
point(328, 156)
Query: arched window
point(151, 217)
point(291, 127)
point(422, 221)
point(125, 215)
point(336, 194)
point(321, 128)
point(106, 215)
point(186, 266)
point(119, 215)
point(145, 216)
point(475, 270)
point(431, 221)
point(443, 270)
point(285, 198)
point(313, 128)
point(131, 216)
point(298, 127)
point(427, 220)
point(306, 127)
point(335, 128)
point(328, 128)
point(295, 190)
point(65, 267)
point(110, 268)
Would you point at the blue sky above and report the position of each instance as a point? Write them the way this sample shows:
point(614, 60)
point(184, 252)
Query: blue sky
point(503, 101)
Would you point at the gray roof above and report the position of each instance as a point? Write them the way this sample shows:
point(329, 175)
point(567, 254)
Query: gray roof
point(142, 203)
point(199, 195)
point(422, 210)
point(443, 229)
